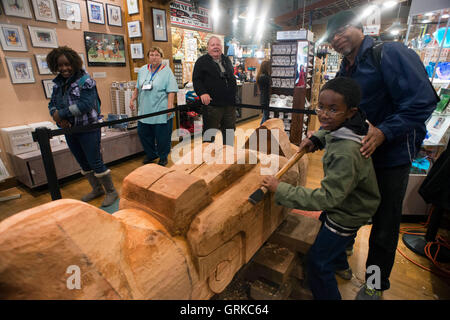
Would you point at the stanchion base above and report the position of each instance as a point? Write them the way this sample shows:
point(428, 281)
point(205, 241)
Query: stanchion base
point(417, 244)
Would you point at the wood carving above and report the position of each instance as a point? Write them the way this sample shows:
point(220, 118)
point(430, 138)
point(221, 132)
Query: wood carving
point(180, 233)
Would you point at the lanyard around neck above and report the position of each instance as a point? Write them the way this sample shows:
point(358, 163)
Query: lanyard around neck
point(154, 72)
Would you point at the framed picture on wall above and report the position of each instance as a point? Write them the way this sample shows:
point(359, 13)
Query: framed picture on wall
point(44, 10)
point(68, 10)
point(41, 61)
point(12, 38)
point(17, 8)
point(20, 70)
point(137, 51)
point(43, 37)
point(48, 87)
point(132, 6)
point(114, 14)
point(159, 25)
point(82, 59)
point(95, 12)
point(104, 49)
point(134, 29)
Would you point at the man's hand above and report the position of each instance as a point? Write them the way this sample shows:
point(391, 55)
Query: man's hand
point(56, 117)
point(132, 105)
point(374, 138)
point(271, 183)
point(206, 99)
point(64, 124)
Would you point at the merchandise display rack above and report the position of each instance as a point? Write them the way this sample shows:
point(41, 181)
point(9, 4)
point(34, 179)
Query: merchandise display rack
point(292, 83)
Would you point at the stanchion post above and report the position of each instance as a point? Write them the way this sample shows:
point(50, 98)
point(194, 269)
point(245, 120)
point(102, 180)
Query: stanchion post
point(42, 136)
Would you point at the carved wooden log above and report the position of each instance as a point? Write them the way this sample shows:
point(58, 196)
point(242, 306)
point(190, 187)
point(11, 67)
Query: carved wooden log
point(181, 233)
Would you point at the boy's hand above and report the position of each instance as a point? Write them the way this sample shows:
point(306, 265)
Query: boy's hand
point(306, 144)
point(271, 183)
point(374, 138)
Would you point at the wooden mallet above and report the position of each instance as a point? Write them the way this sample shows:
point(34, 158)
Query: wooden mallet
point(258, 195)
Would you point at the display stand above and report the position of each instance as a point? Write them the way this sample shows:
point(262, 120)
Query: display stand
point(3, 175)
point(292, 70)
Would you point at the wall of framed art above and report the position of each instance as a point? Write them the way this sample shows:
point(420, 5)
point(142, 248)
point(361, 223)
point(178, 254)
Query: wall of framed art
point(29, 34)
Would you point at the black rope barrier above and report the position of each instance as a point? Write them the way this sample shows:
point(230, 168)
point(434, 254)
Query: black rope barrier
point(43, 135)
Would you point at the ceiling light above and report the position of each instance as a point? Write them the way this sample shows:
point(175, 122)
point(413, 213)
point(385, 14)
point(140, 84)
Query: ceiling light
point(389, 4)
point(429, 14)
point(395, 32)
point(426, 21)
point(445, 16)
point(368, 11)
point(235, 20)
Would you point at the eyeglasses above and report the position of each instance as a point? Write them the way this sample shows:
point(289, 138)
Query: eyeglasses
point(328, 112)
point(339, 32)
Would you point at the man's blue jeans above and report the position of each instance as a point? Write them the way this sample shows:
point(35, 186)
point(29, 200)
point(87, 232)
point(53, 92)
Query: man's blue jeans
point(156, 139)
point(325, 257)
point(85, 147)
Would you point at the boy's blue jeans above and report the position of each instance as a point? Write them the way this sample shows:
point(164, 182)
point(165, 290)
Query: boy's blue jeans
point(325, 257)
point(85, 147)
point(156, 139)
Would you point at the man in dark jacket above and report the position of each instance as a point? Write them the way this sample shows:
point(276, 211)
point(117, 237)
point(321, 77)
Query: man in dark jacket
point(215, 84)
point(397, 98)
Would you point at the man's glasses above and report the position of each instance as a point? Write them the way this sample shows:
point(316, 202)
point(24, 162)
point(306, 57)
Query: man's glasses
point(339, 32)
point(332, 112)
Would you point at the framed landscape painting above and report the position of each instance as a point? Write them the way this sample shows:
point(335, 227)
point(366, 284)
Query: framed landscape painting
point(44, 10)
point(104, 49)
point(20, 70)
point(12, 38)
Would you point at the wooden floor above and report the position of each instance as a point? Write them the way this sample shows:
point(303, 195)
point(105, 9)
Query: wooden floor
point(408, 281)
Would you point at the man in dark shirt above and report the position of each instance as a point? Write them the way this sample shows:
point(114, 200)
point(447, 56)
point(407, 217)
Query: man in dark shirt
point(215, 84)
point(397, 98)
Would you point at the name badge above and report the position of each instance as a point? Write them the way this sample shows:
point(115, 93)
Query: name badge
point(148, 86)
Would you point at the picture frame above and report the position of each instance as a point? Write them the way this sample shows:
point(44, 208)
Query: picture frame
point(132, 6)
point(104, 49)
point(68, 10)
point(82, 59)
point(137, 51)
point(134, 29)
point(114, 14)
point(48, 85)
point(20, 70)
point(12, 38)
point(159, 25)
point(44, 10)
point(95, 11)
point(41, 62)
point(43, 37)
point(18, 8)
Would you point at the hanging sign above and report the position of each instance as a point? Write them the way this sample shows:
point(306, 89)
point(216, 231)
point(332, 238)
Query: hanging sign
point(185, 15)
point(372, 23)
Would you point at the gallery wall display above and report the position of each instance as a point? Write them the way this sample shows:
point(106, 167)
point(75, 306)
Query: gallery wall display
point(159, 25)
point(104, 49)
point(114, 15)
point(134, 29)
point(12, 38)
point(48, 85)
point(41, 61)
point(132, 6)
point(137, 51)
point(95, 11)
point(43, 37)
point(44, 10)
point(68, 10)
point(17, 8)
point(20, 70)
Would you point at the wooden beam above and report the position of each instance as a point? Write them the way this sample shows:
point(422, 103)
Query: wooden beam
point(281, 20)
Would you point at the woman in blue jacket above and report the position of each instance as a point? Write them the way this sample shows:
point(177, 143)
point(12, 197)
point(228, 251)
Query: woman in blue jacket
point(75, 103)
